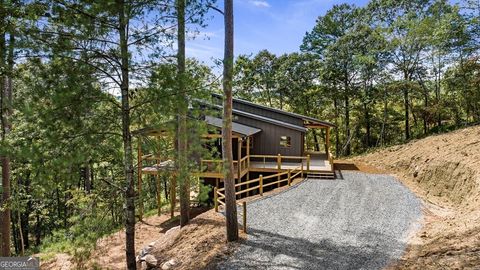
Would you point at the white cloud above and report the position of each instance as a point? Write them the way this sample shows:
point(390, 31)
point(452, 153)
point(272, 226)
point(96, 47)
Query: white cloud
point(259, 3)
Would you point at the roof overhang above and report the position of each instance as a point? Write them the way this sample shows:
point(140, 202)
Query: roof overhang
point(236, 127)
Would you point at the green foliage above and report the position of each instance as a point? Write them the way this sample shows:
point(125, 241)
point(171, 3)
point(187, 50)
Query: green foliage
point(365, 68)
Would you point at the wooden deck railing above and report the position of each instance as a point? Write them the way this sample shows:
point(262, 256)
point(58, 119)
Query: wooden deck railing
point(216, 165)
point(279, 159)
point(219, 196)
point(330, 160)
point(282, 162)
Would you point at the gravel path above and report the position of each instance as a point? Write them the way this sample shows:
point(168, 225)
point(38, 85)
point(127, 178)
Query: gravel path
point(358, 222)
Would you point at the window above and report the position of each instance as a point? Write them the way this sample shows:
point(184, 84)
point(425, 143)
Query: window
point(285, 141)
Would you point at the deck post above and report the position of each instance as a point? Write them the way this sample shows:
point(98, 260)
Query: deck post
point(215, 198)
point(239, 158)
point(327, 139)
point(308, 163)
point(248, 152)
point(301, 174)
point(289, 177)
point(248, 185)
point(279, 165)
point(261, 185)
point(244, 217)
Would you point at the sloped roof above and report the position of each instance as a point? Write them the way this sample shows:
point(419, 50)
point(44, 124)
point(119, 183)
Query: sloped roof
point(296, 115)
point(236, 127)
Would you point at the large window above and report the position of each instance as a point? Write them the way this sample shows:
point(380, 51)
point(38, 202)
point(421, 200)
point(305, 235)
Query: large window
point(285, 141)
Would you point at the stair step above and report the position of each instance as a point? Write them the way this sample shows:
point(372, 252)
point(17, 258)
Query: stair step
point(321, 175)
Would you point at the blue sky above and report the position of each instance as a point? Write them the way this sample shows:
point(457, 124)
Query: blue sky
point(276, 25)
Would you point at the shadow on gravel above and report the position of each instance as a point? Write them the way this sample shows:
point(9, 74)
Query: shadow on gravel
point(276, 251)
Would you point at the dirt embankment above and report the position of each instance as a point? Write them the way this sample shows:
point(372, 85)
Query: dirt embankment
point(196, 246)
point(444, 170)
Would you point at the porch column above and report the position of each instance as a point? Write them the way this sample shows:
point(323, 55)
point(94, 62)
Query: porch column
point(327, 139)
point(248, 152)
point(239, 165)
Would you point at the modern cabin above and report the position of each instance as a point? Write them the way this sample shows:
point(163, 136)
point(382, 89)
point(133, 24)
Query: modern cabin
point(267, 142)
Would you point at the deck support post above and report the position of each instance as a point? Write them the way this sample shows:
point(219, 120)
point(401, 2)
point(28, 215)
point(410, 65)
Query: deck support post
point(301, 168)
point(261, 185)
point(248, 152)
point(248, 185)
point(327, 141)
point(215, 198)
point(308, 163)
point(239, 164)
point(289, 177)
point(279, 166)
point(244, 204)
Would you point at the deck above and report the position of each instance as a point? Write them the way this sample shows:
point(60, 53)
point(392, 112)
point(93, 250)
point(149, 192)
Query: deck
point(270, 163)
point(317, 163)
point(254, 163)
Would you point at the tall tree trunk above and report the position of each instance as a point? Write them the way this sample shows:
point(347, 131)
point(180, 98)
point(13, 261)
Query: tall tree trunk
point(366, 109)
point(367, 126)
point(425, 115)
point(337, 131)
point(230, 198)
point(26, 215)
point(438, 77)
point(87, 184)
point(6, 103)
point(406, 107)
point(38, 229)
point(348, 149)
point(384, 118)
point(127, 138)
point(183, 176)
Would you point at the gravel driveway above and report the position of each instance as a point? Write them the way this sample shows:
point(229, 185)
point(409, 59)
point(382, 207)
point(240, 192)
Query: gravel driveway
point(360, 221)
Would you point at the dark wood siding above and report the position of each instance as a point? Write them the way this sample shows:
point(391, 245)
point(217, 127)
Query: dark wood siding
point(267, 142)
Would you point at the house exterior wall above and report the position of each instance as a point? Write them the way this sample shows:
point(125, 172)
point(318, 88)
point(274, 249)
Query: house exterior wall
point(267, 142)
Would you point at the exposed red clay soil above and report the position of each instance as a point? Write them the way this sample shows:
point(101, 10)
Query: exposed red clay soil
point(444, 171)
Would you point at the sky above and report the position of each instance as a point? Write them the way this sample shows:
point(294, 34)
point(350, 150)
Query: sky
point(275, 25)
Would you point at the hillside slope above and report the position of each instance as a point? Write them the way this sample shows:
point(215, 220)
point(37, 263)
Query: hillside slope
point(444, 170)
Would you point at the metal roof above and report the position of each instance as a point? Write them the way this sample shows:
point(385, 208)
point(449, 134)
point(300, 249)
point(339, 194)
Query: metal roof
point(270, 120)
point(258, 117)
point(236, 127)
point(296, 115)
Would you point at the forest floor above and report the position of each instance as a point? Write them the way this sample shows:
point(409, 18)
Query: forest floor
point(109, 253)
point(444, 171)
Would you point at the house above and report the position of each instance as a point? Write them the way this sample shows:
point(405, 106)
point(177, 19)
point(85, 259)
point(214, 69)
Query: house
point(267, 142)
point(270, 140)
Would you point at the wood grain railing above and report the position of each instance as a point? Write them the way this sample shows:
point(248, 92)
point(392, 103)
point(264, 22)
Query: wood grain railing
point(279, 159)
point(216, 165)
point(219, 196)
point(330, 160)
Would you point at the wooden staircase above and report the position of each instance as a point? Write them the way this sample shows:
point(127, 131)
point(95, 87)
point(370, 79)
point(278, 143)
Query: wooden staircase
point(321, 175)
